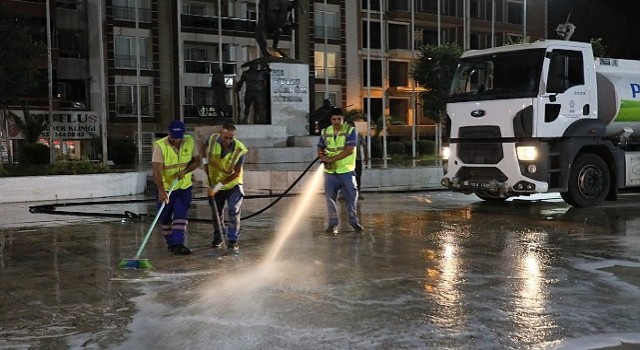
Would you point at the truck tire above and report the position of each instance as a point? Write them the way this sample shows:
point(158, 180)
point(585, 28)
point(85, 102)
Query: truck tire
point(487, 196)
point(589, 181)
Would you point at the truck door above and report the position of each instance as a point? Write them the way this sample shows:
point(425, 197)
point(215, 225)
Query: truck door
point(566, 96)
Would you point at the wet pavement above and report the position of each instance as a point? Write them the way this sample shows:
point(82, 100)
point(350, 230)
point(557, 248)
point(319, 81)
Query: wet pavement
point(432, 270)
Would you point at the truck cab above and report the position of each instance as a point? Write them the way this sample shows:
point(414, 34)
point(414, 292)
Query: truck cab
point(524, 119)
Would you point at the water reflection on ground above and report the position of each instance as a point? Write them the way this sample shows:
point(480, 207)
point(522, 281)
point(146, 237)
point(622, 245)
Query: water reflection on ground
point(431, 270)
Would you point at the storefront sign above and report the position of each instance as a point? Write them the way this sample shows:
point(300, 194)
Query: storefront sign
point(67, 125)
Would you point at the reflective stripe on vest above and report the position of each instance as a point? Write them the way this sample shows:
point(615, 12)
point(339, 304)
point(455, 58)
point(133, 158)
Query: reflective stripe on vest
point(175, 162)
point(220, 168)
point(335, 145)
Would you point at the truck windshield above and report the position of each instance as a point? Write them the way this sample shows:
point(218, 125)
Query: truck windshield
point(497, 76)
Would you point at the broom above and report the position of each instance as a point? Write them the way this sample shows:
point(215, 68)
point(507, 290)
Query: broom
point(136, 262)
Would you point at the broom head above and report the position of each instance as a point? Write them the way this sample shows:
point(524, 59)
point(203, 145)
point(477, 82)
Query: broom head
point(132, 264)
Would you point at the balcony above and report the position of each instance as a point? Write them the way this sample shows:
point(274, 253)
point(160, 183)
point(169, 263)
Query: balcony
point(131, 110)
point(211, 23)
point(129, 62)
point(127, 13)
point(332, 72)
point(333, 33)
point(207, 67)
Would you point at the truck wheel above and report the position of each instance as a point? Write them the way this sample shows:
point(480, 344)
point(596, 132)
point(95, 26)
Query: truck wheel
point(489, 197)
point(589, 182)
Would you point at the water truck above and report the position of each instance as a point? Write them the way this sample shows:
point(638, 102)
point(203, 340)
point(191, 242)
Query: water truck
point(543, 117)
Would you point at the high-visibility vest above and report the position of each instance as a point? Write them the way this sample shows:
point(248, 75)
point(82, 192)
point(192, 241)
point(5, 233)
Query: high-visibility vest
point(334, 146)
point(175, 162)
point(221, 167)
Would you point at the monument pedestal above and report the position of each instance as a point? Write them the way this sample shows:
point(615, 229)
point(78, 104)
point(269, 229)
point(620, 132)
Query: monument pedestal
point(286, 94)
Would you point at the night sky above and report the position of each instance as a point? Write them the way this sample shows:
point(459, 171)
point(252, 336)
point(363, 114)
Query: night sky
point(617, 22)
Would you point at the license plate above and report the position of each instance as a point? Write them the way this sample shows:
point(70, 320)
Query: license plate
point(484, 185)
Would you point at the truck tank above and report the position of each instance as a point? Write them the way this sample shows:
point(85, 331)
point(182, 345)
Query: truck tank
point(619, 94)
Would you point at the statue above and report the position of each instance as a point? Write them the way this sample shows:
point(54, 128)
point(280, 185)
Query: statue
point(219, 93)
point(274, 16)
point(254, 93)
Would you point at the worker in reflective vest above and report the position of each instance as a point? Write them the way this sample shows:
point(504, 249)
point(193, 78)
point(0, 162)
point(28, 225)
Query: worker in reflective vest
point(337, 151)
point(224, 167)
point(174, 157)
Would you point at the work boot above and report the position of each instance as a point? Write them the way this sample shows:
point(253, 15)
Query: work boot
point(333, 229)
point(179, 249)
point(233, 245)
point(217, 243)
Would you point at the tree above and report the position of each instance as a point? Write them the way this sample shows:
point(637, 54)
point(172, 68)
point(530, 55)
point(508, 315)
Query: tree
point(19, 73)
point(19, 56)
point(32, 127)
point(599, 48)
point(434, 68)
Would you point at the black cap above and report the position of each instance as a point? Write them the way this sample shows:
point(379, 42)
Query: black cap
point(336, 111)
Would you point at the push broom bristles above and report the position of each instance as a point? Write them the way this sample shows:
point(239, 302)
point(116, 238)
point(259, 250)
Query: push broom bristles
point(132, 264)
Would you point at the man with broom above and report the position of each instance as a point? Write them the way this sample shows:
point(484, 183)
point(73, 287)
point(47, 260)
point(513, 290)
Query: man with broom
point(174, 157)
point(223, 165)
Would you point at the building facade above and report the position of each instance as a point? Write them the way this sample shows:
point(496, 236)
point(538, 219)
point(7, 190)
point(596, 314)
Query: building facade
point(122, 69)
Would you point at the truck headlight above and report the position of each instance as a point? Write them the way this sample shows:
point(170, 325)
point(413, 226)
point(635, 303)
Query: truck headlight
point(527, 153)
point(445, 153)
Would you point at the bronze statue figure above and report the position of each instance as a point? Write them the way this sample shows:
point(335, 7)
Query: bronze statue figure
point(275, 15)
point(254, 93)
point(219, 93)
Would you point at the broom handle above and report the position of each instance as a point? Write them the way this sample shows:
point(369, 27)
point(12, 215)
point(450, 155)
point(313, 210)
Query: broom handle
point(155, 220)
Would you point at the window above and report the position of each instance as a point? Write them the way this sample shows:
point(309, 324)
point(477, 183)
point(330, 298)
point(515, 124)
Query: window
point(326, 20)
point(127, 99)
point(424, 36)
point(566, 70)
point(71, 43)
point(194, 10)
point(400, 5)
point(481, 9)
point(375, 5)
point(332, 69)
point(195, 53)
point(125, 10)
point(319, 97)
point(125, 52)
point(375, 34)
point(514, 12)
point(398, 73)
point(399, 109)
point(480, 41)
point(376, 73)
point(428, 6)
point(398, 36)
point(68, 4)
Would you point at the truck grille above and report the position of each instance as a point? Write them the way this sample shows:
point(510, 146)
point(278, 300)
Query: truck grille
point(479, 145)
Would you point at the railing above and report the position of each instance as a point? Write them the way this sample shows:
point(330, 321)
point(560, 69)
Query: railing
point(207, 67)
point(332, 32)
point(129, 61)
point(332, 72)
point(208, 22)
point(127, 13)
point(131, 109)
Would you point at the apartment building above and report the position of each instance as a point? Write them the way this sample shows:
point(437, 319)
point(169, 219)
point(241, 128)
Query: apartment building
point(125, 68)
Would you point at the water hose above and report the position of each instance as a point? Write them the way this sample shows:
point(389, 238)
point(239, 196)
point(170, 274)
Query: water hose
point(133, 217)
